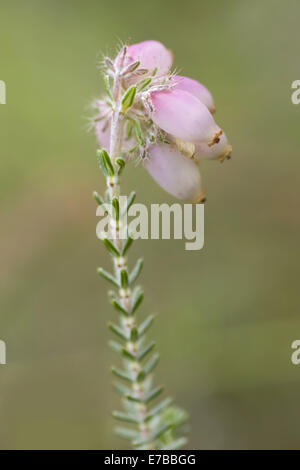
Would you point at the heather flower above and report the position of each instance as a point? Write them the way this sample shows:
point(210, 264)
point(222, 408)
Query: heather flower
point(221, 151)
point(167, 119)
point(174, 172)
point(153, 57)
point(166, 122)
point(182, 115)
point(196, 89)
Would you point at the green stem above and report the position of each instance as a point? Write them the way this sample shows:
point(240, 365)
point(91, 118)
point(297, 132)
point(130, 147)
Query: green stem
point(127, 323)
point(155, 425)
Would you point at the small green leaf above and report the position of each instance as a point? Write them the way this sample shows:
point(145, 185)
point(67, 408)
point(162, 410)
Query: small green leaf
point(98, 198)
point(150, 365)
point(134, 334)
point(127, 433)
point(158, 408)
point(115, 346)
point(141, 375)
point(109, 63)
point(136, 271)
point(131, 68)
point(107, 196)
point(127, 245)
point(132, 398)
point(107, 86)
point(100, 162)
point(109, 277)
point(175, 444)
point(124, 278)
point(107, 162)
point(144, 83)
point(133, 149)
point(128, 354)
point(129, 129)
point(121, 162)
point(142, 71)
point(164, 428)
point(130, 200)
point(175, 416)
point(125, 417)
point(121, 374)
point(116, 304)
point(116, 207)
point(138, 133)
point(146, 351)
point(110, 247)
point(128, 98)
point(118, 331)
point(121, 389)
point(145, 325)
point(140, 442)
point(137, 298)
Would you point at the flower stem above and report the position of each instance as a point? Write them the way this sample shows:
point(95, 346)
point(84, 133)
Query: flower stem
point(156, 425)
point(120, 264)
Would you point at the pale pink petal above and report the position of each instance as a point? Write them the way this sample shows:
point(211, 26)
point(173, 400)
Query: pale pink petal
point(102, 123)
point(152, 55)
point(196, 89)
point(103, 137)
point(219, 151)
point(175, 173)
point(103, 134)
point(181, 114)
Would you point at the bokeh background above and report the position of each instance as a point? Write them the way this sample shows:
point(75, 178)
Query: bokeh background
point(228, 313)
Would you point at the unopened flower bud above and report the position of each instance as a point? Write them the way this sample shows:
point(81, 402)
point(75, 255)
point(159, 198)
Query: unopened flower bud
point(195, 88)
point(174, 172)
point(152, 55)
point(220, 151)
point(182, 115)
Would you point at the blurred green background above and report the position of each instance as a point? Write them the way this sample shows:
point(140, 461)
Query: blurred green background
point(228, 313)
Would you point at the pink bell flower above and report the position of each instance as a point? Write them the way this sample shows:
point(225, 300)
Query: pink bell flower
point(164, 108)
point(184, 116)
point(220, 151)
point(174, 172)
point(153, 55)
point(196, 89)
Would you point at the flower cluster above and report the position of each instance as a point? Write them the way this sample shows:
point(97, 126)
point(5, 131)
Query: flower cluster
point(167, 119)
